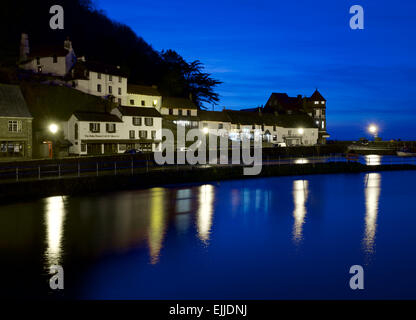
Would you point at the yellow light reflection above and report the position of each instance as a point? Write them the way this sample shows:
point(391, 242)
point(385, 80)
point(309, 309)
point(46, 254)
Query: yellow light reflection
point(54, 219)
point(157, 224)
point(205, 211)
point(300, 196)
point(372, 160)
point(372, 194)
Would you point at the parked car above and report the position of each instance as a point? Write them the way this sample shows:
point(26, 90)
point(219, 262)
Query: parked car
point(133, 151)
point(280, 145)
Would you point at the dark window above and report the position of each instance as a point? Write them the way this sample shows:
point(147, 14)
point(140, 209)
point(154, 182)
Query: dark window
point(274, 128)
point(98, 75)
point(262, 127)
point(110, 127)
point(170, 111)
point(83, 147)
point(99, 87)
point(94, 127)
point(55, 59)
point(148, 121)
point(37, 60)
point(110, 89)
point(131, 134)
point(188, 112)
point(238, 126)
point(76, 131)
point(119, 79)
point(119, 101)
point(220, 126)
point(153, 134)
point(131, 101)
point(253, 126)
point(143, 134)
point(119, 91)
point(180, 112)
point(110, 78)
point(143, 103)
point(137, 121)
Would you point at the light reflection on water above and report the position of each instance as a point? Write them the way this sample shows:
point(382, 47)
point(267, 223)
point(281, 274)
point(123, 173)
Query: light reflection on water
point(300, 196)
point(243, 231)
point(372, 188)
point(54, 222)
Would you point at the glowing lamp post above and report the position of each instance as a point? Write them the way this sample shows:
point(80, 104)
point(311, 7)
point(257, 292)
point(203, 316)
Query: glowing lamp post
point(301, 131)
point(53, 128)
point(205, 130)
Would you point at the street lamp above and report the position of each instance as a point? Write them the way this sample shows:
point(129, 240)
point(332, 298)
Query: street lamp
point(53, 128)
point(373, 130)
point(205, 130)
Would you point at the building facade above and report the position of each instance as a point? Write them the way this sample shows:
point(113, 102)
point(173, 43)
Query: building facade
point(100, 80)
point(55, 60)
point(143, 96)
point(15, 124)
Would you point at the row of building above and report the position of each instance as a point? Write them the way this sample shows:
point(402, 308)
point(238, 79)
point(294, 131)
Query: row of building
point(135, 114)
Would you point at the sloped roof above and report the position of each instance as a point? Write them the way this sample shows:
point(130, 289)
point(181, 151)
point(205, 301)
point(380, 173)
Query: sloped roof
point(143, 90)
point(244, 117)
point(176, 102)
point(96, 116)
point(295, 121)
point(12, 103)
point(284, 102)
point(98, 67)
point(48, 51)
point(139, 112)
point(219, 116)
point(316, 96)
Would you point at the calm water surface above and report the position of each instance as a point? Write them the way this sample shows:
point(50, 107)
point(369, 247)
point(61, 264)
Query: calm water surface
point(272, 238)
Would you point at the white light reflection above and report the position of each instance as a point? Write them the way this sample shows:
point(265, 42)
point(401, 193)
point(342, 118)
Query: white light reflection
point(205, 211)
point(54, 219)
point(372, 160)
point(300, 196)
point(372, 189)
point(157, 224)
point(301, 161)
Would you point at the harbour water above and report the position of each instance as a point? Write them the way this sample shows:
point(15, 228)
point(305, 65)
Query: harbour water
point(273, 238)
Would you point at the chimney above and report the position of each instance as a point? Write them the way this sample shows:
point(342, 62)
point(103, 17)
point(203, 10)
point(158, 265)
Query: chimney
point(24, 47)
point(68, 44)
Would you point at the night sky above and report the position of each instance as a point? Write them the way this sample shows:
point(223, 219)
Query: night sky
point(264, 46)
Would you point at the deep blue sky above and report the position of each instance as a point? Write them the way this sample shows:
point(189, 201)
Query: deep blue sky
point(264, 46)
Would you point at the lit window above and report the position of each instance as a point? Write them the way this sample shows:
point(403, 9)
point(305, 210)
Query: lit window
point(154, 103)
point(316, 102)
point(322, 102)
point(323, 124)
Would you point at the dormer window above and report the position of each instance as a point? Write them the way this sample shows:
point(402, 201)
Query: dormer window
point(316, 102)
point(322, 102)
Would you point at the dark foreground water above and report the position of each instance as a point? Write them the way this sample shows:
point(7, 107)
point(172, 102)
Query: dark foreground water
point(273, 238)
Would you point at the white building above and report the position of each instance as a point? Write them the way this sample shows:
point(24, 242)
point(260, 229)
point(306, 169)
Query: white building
point(125, 128)
point(290, 129)
point(214, 122)
point(94, 133)
point(143, 96)
point(100, 80)
point(141, 127)
point(180, 111)
point(56, 60)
